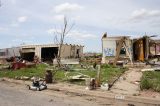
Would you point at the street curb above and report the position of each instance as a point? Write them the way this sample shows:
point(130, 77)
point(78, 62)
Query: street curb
point(94, 93)
point(107, 95)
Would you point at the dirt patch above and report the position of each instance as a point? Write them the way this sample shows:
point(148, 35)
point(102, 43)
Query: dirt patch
point(128, 83)
point(150, 93)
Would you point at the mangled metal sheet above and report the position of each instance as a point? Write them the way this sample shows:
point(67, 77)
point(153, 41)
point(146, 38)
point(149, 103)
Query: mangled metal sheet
point(67, 61)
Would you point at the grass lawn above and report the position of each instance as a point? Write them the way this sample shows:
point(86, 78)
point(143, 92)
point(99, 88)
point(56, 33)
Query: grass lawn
point(39, 70)
point(108, 73)
point(151, 80)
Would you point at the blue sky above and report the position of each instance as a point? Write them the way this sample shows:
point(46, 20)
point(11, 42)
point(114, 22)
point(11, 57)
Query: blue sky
point(35, 21)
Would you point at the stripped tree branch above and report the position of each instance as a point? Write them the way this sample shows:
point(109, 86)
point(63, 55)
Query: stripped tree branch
point(62, 35)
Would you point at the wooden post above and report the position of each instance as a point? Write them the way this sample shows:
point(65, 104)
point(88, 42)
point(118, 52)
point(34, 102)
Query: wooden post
point(98, 75)
point(147, 48)
point(155, 48)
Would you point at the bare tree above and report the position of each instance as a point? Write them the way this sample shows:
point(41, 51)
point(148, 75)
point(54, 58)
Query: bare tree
point(60, 37)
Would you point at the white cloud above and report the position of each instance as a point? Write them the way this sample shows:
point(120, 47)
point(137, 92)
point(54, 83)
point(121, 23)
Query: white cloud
point(142, 20)
point(15, 25)
point(50, 31)
point(74, 34)
point(22, 19)
point(22, 42)
point(59, 17)
point(3, 29)
point(17, 40)
point(24, 36)
point(13, 1)
point(19, 20)
point(144, 14)
point(76, 18)
point(67, 7)
point(81, 35)
point(53, 30)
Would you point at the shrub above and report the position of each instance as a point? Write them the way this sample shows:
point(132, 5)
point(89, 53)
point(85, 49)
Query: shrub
point(150, 80)
point(145, 84)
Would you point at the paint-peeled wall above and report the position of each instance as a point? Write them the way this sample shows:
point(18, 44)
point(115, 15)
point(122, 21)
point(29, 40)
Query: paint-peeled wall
point(109, 48)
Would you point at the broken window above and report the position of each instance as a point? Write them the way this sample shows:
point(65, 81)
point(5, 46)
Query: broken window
point(77, 53)
point(2, 53)
point(123, 51)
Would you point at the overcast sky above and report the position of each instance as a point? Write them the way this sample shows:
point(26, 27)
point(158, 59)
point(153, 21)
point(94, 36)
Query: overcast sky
point(35, 21)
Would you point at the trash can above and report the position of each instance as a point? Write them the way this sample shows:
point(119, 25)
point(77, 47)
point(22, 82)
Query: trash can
point(48, 76)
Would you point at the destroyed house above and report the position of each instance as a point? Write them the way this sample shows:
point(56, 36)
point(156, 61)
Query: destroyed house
point(9, 52)
point(145, 48)
point(110, 46)
point(122, 48)
point(48, 52)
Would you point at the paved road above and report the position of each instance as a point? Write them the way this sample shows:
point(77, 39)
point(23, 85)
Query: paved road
point(17, 95)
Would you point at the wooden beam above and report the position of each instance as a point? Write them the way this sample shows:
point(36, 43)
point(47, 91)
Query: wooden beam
point(128, 53)
point(119, 46)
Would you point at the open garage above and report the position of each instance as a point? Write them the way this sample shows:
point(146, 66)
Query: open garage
point(48, 53)
point(28, 54)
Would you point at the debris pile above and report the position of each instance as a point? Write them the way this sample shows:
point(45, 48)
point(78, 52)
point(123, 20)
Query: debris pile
point(37, 85)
